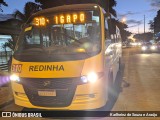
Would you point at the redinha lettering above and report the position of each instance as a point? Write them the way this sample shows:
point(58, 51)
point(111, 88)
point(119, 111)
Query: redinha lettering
point(46, 68)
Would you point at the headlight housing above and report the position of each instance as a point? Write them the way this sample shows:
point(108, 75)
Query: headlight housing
point(15, 78)
point(91, 77)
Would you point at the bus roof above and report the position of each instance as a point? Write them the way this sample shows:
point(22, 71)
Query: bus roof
point(68, 7)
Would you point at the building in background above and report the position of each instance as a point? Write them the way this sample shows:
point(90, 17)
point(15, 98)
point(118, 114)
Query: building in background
point(9, 29)
point(3, 40)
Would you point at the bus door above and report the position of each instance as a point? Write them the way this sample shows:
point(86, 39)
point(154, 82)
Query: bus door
point(112, 50)
point(108, 51)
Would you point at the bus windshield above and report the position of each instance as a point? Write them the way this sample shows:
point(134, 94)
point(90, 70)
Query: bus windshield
point(59, 34)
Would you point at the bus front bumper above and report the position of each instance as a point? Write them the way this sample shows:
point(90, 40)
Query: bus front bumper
point(87, 96)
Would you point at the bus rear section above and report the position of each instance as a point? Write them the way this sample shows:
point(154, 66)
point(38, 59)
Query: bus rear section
point(59, 61)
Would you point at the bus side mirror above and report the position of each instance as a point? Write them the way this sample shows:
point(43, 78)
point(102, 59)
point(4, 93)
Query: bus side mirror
point(109, 53)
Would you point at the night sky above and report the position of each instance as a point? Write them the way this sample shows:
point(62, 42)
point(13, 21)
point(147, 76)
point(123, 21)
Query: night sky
point(133, 10)
point(13, 5)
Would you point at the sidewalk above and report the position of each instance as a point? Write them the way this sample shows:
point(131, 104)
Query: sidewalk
point(5, 89)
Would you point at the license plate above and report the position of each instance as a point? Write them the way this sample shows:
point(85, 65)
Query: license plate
point(47, 93)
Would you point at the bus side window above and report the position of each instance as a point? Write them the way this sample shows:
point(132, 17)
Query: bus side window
point(108, 40)
point(106, 30)
point(110, 30)
point(32, 37)
point(118, 34)
point(115, 36)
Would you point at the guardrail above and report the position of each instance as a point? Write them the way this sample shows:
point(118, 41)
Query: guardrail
point(5, 53)
point(4, 58)
point(4, 67)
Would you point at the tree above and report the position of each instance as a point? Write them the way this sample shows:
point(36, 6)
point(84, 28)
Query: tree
point(103, 3)
point(151, 25)
point(2, 2)
point(155, 24)
point(144, 36)
point(29, 9)
point(112, 3)
point(124, 33)
point(10, 44)
point(122, 26)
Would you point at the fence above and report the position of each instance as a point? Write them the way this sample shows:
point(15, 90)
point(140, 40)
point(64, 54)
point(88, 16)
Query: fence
point(4, 58)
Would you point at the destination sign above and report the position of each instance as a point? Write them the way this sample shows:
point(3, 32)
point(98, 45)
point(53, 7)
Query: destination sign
point(40, 21)
point(64, 18)
point(70, 18)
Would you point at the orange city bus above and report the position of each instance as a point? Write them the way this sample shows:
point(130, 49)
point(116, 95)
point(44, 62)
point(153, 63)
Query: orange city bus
point(64, 59)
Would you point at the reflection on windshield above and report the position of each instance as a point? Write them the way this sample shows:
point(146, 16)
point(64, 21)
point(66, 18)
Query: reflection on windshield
point(64, 38)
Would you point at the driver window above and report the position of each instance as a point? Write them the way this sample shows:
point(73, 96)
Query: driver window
point(107, 36)
point(32, 37)
point(106, 30)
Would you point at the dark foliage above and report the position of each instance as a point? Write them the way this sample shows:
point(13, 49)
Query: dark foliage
point(2, 2)
point(155, 24)
point(29, 9)
point(145, 36)
point(103, 3)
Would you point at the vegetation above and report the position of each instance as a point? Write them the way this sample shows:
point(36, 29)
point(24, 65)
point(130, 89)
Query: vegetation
point(151, 23)
point(122, 26)
point(124, 33)
point(155, 30)
point(10, 44)
point(2, 2)
point(29, 9)
point(103, 3)
point(145, 36)
point(155, 24)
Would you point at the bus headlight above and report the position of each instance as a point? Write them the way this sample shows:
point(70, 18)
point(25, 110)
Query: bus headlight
point(15, 78)
point(139, 44)
point(144, 48)
point(84, 79)
point(92, 77)
point(153, 47)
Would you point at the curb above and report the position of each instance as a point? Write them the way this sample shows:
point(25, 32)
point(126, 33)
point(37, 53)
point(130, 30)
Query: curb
point(5, 104)
point(4, 73)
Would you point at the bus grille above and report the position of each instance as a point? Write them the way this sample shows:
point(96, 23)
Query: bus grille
point(65, 90)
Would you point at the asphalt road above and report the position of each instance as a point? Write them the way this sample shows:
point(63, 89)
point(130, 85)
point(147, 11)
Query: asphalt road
point(142, 73)
point(137, 86)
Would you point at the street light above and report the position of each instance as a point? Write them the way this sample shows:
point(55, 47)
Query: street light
point(124, 20)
